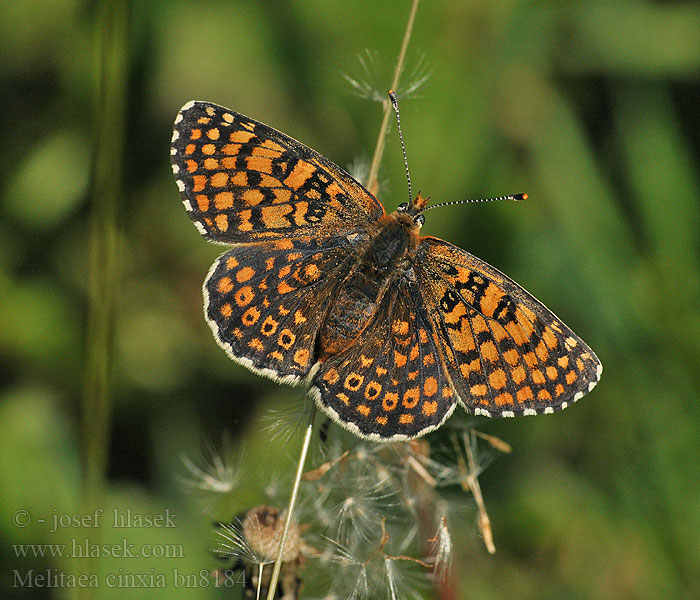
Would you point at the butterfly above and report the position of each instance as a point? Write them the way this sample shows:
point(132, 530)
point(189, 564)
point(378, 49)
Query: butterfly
point(388, 329)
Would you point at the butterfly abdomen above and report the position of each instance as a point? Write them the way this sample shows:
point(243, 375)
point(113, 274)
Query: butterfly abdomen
point(378, 264)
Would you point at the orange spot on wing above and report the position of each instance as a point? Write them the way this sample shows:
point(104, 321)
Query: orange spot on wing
point(256, 344)
point(225, 285)
point(200, 182)
point(490, 300)
point(245, 274)
point(399, 359)
point(241, 137)
point(502, 399)
point(239, 178)
point(511, 356)
point(245, 224)
point(406, 419)
point(478, 390)
point(524, 394)
point(301, 357)
point(253, 197)
point(518, 374)
point(272, 145)
point(223, 200)
point(259, 163)
point(231, 150)
point(429, 408)
point(219, 179)
point(530, 359)
point(390, 401)
point(282, 196)
point(301, 172)
point(411, 397)
point(549, 338)
point(284, 288)
point(497, 379)
point(267, 181)
point(250, 316)
point(488, 351)
point(430, 386)
point(274, 216)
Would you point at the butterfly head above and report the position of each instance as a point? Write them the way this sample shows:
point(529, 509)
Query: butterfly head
point(412, 212)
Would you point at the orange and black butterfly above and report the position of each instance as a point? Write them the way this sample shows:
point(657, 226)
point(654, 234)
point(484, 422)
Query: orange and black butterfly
point(389, 330)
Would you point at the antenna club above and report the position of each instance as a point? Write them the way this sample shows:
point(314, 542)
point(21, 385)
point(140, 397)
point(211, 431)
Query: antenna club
point(521, 197)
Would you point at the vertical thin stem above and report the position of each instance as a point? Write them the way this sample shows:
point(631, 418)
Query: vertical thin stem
point(379, 148)
point(112, 29)
point(292, 502)
point(261, 567)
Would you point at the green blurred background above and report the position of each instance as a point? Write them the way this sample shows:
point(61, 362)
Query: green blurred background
point(591, 107)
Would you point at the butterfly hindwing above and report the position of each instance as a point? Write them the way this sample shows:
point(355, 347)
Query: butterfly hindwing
point(389, 384)
point(506, 353)
point(265, 302)
point(242, 181)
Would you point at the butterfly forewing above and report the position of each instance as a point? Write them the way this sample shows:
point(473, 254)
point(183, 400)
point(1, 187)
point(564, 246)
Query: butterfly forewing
point(505, 352)
point(242, 181)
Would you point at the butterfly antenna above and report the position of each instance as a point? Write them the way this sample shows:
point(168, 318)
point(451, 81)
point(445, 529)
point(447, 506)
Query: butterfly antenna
point(395, 104)
point(509, 197)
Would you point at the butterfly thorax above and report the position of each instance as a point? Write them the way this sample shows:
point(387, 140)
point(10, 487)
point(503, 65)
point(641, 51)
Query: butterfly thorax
point(381, 259)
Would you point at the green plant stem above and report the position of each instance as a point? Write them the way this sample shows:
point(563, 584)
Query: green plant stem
point(379, 147)
point(292, 502)
point(112, 31)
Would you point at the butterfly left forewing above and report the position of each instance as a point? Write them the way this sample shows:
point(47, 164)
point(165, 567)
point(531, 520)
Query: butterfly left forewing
point(242, 181)
point(505, 352)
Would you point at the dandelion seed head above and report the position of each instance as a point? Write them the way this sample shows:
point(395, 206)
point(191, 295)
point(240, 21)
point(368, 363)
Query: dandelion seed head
point(263, 527)
point(213, 474)
point(368, 79)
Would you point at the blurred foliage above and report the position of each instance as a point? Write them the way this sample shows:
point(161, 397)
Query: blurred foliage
point(590, 107)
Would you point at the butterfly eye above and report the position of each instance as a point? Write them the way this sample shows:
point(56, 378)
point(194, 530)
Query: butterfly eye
point(420, 219)
point(402, 207)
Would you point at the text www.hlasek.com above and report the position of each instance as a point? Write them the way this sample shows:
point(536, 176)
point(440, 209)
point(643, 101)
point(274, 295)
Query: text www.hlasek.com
point(83, 548)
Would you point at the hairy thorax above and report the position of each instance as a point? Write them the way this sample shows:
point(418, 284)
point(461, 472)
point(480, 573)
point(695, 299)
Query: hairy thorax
point(381, 260)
